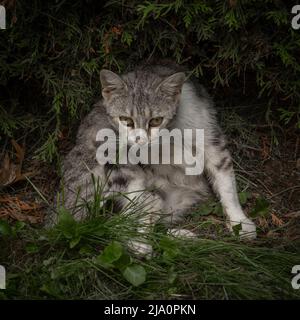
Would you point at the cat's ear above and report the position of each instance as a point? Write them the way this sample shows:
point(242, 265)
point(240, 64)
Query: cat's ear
point(111, 84)
point(172, 85)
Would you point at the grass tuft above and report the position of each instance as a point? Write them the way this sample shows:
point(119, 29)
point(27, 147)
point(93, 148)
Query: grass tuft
point(89, 260)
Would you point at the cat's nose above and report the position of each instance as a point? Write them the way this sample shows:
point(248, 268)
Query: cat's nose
point(138, 136)
point(140, 140)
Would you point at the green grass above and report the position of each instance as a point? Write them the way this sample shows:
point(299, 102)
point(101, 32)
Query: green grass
point(89, 260)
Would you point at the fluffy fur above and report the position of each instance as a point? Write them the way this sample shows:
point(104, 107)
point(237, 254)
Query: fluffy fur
point(148, 92)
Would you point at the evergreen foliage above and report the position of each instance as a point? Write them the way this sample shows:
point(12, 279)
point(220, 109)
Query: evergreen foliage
point(52, 51)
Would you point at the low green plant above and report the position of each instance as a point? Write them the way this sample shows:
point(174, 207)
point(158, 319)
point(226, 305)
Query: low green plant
point(89, 259)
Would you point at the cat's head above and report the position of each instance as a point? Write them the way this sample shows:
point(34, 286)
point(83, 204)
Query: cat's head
point(141, 101)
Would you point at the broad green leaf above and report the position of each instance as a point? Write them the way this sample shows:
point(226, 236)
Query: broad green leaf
point(135, 274)
point(111, 253)
point(237, 228)
point(67, 224)
point(169, 254)
point(218, 210)
point(261, 208)
point(205, 209)
point(170, 248)
point(65, 217)
point(244, 196)
point(167, 243)
point(124, 261)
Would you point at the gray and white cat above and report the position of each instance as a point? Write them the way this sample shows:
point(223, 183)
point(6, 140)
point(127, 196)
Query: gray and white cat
point(154, 96)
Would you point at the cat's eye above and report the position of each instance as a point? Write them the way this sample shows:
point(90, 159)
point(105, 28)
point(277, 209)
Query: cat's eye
point(128, 121)
point(155, 122)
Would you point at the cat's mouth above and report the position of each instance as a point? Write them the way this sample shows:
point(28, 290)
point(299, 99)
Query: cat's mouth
point(139, 143)
point(144, 141)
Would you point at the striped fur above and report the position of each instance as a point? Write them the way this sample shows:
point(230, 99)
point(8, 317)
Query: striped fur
point(142, 95)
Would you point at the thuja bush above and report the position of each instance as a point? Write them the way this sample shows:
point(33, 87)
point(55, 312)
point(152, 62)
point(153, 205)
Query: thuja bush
point(52, 51)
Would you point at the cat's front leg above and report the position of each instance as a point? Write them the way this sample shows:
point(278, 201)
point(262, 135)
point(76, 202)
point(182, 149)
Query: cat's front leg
point(144, 206)
point(219, 168)
point(140, 245)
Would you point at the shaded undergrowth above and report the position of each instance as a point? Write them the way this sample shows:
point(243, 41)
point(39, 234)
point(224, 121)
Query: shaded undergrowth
point(90, 260)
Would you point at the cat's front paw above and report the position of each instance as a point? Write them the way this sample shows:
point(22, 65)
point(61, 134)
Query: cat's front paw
point(182, 233)
point(246, 227)
point(140, 248)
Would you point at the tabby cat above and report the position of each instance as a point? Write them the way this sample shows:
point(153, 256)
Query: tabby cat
point(154, 96)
